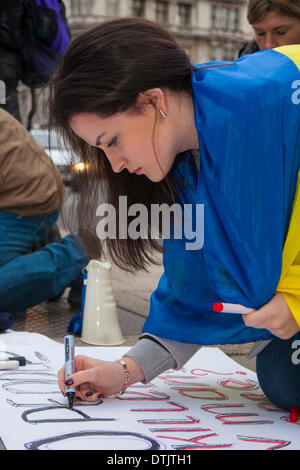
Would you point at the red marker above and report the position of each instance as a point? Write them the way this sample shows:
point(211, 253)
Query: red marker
point(231, 308)
point(240, 309)
point(294, 414)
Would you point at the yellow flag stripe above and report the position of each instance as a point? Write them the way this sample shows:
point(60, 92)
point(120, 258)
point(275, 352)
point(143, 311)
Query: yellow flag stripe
point(292, 51)
point(289, 283)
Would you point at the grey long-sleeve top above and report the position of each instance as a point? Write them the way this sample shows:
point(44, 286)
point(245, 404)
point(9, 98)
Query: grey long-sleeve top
point(155, 355)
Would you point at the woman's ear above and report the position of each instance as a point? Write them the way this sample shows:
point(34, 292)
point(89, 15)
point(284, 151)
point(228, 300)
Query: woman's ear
point(156, 97)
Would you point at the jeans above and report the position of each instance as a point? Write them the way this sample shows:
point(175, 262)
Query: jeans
point(278, 372)
point(28, 278)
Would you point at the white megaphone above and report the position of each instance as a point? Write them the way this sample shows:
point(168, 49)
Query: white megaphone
point(100, 324)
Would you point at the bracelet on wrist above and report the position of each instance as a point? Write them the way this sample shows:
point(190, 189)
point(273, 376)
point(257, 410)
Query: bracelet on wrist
point(126, 380)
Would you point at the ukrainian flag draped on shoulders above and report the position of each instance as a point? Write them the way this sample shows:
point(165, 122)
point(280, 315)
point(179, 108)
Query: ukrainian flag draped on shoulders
point(247, 115)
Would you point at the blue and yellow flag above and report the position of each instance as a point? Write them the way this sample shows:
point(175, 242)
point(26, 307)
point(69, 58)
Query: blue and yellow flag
point(247, 115)
point(289, 282)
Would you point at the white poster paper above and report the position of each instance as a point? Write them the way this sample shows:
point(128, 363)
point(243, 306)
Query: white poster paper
point(212, 403)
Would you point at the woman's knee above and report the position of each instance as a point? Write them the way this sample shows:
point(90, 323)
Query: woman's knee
point(278, 372)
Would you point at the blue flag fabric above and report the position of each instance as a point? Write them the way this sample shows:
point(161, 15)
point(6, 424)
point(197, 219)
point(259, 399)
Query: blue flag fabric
point(249, 137)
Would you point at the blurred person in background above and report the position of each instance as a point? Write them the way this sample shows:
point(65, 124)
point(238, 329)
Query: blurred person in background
point(275, 23)
point(35, 264)
point(34, 35)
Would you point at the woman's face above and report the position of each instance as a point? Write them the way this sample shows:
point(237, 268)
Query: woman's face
point(276, 30)
point(127, 140)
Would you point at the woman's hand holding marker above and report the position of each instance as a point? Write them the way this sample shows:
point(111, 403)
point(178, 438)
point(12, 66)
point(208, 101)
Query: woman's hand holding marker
point(274, 316)
point(95, 379)
point(231, 308)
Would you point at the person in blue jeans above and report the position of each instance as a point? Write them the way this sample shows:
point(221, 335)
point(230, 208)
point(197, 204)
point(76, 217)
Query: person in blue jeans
point(35, 265)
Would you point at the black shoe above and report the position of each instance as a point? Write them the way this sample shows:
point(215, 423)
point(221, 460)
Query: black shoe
point(6, 321)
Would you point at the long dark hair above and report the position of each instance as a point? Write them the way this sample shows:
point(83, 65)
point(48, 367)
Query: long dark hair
point(103, 71)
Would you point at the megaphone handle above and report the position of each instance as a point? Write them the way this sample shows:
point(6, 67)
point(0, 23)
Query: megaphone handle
point(84, 275)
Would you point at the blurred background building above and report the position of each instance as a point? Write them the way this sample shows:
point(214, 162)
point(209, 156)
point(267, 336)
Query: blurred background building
point(207, 29)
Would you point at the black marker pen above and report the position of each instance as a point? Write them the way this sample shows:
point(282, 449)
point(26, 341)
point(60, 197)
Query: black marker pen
point(70, 365)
